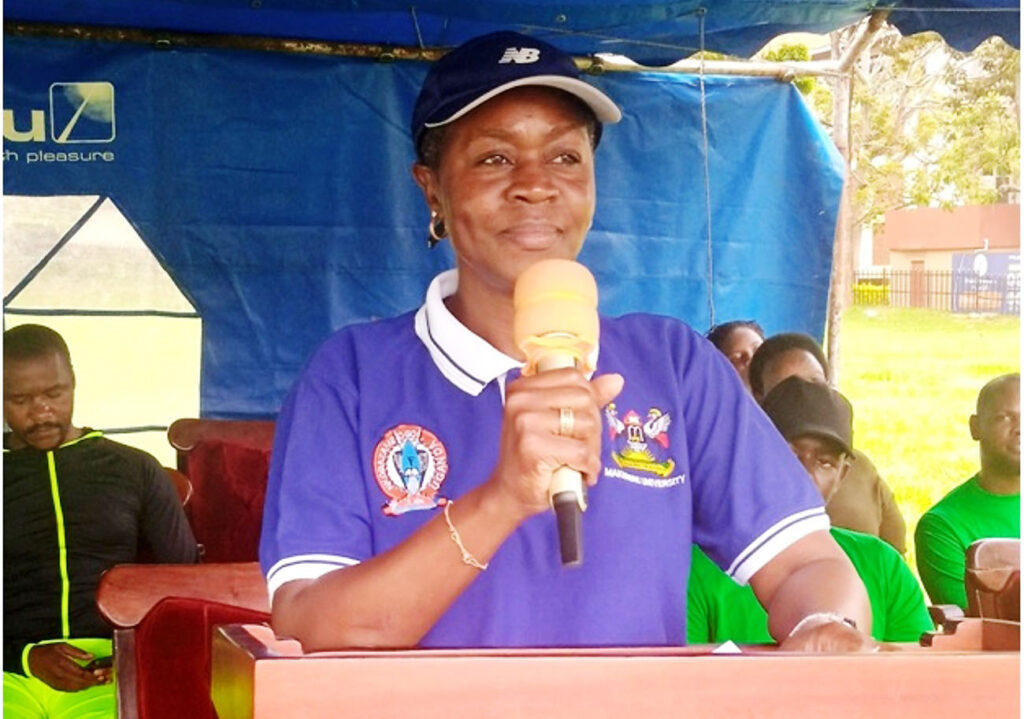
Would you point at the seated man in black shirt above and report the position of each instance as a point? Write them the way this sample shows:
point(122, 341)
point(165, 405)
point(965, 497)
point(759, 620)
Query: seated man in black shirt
point(75, 504)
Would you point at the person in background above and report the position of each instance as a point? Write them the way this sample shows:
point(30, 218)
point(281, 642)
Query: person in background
point(737, 340)
point(785, 355)
point(817, 422)
point(75, 504)
point(863, 502)
point(986, 505)
point(407, 503)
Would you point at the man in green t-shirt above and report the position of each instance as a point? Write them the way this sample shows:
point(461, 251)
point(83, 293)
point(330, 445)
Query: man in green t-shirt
point(986, 505)
point(817, 422)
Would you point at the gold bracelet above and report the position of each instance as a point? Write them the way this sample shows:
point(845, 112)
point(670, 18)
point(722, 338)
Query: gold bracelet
point(454, 534)
point(818, 618)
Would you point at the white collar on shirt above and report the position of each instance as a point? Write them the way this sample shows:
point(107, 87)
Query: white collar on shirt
point(467, 360)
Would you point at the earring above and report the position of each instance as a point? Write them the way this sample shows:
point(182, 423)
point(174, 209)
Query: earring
point(436, 230)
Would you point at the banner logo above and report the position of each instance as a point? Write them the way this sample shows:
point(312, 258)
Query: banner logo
point(79, 113)
point(82, 112)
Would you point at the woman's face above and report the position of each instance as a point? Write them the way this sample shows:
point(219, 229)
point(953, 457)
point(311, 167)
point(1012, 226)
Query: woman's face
point(514, 184)
point(739, 347)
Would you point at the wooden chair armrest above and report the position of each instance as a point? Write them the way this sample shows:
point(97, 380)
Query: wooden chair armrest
point(128, 591)
point(973, 634)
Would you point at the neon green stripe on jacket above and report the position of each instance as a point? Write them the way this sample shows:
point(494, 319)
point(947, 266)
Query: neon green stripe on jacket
point(62, 547)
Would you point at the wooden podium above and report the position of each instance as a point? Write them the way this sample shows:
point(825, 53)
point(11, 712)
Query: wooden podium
point(256, 676)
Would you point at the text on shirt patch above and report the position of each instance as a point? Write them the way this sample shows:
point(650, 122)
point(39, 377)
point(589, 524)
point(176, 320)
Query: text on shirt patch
point(655, 482)
point(409, 464)
point(640, 444)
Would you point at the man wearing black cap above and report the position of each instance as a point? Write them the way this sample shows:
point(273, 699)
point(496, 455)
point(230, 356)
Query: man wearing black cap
point(407, 503)
point(863, 501)
point(817, 422)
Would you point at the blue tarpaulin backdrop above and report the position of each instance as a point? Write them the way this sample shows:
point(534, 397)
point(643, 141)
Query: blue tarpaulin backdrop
point(276, 191)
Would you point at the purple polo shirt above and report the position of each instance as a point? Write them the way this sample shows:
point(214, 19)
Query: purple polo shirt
point(391, 418)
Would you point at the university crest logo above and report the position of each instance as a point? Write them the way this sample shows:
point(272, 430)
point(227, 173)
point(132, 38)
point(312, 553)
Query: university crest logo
point(409, 464)
point(640, 444)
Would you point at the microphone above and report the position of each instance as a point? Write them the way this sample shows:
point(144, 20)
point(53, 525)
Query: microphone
point(555, 325)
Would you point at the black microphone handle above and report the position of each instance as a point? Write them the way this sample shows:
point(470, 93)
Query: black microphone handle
point(570, 531)
point(568, 491)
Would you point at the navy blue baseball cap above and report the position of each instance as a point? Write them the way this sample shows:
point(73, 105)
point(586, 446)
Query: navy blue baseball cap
point(488, 65)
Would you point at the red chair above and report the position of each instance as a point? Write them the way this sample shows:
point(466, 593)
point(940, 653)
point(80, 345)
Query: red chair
point(163, 617)
point(992, 579)
point(227, 462)
point(992, 583)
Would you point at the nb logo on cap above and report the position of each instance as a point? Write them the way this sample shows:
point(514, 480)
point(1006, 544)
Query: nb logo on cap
point(522, 56)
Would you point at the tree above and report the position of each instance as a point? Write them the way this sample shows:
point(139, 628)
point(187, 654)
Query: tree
point(928, 127)
point(985, 101)
point(933, 127)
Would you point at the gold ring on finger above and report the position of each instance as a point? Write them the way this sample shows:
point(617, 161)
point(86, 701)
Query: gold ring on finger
point(566, 421)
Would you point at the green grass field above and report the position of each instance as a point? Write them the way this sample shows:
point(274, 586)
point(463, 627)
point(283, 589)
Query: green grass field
point(913, 376)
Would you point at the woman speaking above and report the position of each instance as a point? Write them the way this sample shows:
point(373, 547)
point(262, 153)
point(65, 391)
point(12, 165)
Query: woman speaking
point(408, 494)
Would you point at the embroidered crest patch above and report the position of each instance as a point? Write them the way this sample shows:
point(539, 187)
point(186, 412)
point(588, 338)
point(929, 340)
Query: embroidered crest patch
point(640, 443)
point(409, 464)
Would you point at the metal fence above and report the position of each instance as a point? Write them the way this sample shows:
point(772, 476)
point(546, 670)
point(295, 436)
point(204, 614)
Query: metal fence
point(950, 291)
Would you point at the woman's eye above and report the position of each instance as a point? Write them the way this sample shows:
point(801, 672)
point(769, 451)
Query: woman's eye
point(567, 158)
point(494, 160)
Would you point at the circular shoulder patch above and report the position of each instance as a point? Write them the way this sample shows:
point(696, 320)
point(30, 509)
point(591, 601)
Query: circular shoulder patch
point(409, 464)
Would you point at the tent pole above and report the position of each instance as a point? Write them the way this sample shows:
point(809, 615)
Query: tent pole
point(841, 280)
point(784, 71)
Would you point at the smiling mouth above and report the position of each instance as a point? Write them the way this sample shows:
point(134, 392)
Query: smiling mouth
point(533, 235)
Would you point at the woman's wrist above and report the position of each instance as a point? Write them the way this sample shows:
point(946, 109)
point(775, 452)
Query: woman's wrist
point(819, 618)
point(502, 505)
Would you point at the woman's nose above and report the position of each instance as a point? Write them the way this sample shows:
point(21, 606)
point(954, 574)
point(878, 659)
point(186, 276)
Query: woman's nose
point(531, 182)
